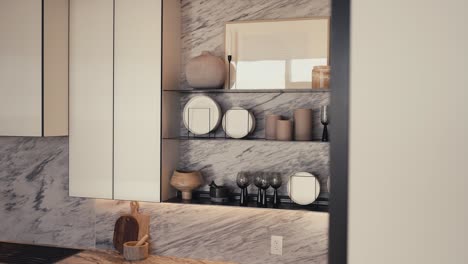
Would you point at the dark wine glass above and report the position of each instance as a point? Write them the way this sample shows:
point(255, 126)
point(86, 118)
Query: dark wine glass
point(264, 185)
point(257, 182)
point(276, 182)
point(324, 118)
point(243, 181)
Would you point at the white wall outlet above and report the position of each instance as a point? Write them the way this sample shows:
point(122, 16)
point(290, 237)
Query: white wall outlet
point(277, 245)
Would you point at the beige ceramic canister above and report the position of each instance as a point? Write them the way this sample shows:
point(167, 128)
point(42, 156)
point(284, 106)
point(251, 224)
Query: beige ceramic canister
point(303, 124)
point(270, 126)
point(205, 71)
point(284, 130)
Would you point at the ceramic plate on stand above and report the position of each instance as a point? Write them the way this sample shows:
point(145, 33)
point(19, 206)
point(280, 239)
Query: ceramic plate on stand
point(303, 188)
point(201, 115)
point(238, 122)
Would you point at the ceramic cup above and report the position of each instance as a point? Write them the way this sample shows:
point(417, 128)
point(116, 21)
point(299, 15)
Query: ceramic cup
point(270, 126)
point(303, 124)
point(284, 130)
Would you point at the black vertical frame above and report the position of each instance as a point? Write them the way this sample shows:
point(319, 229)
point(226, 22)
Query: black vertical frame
point(161, 140)
point(339, 111)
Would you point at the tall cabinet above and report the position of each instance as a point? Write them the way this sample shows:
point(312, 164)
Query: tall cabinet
point(33, 68)
point(117, 72)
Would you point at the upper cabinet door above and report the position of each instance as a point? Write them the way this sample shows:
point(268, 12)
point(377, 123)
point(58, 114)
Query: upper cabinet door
point(137, 95)
point(33, 68)
point(91, 98)
point(20, 68)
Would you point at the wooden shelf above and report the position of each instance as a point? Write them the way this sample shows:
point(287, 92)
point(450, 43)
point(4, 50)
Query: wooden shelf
point(308, 90)
point(202, 198)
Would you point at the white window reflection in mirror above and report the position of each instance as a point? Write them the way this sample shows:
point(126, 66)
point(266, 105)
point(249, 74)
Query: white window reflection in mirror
point(277, 54)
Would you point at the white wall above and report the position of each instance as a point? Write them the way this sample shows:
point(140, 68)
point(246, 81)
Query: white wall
point(408, 135)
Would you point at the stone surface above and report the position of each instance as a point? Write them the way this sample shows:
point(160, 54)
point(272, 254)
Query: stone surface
point(34, 202)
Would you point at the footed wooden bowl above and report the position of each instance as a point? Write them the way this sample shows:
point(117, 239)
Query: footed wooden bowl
point(186, 182)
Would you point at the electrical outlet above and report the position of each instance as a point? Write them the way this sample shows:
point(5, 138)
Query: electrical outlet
point(276, 245)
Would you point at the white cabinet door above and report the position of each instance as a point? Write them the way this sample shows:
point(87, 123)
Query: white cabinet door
point(137, 95)
point(91, 98)
point(20, 68)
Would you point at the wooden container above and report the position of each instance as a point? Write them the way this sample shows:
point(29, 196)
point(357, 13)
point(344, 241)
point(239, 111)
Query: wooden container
point(284, 130)
point(132, 252)
point(186, 181)
point(321, 77)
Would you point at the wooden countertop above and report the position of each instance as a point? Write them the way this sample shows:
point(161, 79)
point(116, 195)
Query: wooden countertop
point(104, 257)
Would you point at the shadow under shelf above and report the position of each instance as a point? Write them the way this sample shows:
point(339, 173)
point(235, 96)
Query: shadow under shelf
point(203, 198)
point(241, 139)
point(308, 90)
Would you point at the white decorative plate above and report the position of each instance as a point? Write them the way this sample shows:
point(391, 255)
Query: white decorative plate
point(238, 122)
point(303, 188)
point(201, 115)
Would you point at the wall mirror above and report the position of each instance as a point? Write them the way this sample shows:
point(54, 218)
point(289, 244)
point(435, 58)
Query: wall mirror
point(275, 54)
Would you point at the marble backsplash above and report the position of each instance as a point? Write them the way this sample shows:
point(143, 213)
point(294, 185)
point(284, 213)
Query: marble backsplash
point(34, 202)
point(221, 160)
point(35, 208)
point(203, 20)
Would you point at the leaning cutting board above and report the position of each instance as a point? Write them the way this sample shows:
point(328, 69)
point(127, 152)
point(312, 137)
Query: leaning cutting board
point(142, 219)
point(126, 229)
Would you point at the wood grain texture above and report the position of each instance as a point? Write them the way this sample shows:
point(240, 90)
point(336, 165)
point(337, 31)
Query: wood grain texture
point(92, 257)
point(126, 229)
point(133, 252)
point(142, 219)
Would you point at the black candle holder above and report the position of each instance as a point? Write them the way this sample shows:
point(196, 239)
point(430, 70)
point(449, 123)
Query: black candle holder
point(324, 119)
point(229, 57)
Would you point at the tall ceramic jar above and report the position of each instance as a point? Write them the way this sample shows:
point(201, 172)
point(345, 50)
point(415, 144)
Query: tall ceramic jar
point(206, 72)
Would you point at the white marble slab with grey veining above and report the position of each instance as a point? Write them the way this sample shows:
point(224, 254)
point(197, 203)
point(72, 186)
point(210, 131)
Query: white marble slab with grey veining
point(221, 160)
point(224, 233)
point(34, 202)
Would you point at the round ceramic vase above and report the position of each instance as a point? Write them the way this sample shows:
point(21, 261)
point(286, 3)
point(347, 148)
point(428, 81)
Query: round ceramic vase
point(206, 72)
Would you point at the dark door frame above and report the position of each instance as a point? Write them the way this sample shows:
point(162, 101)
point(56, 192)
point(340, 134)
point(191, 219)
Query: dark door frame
point(339, 112)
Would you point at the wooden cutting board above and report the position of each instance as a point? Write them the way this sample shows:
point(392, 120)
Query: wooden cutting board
point(126, 229)
point(142, 219)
